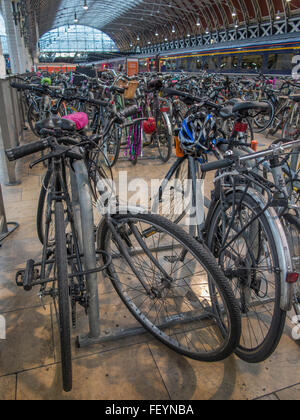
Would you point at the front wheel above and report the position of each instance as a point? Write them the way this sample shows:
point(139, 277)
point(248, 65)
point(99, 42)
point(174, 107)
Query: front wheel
point(63, 296)
point(250, 261)
point(172, 286)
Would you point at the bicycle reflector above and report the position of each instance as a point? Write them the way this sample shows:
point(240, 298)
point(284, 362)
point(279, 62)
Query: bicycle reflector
point(149, 126)
point(240, 127)
point(165, 109)
point(292, 278)
point(254, 145)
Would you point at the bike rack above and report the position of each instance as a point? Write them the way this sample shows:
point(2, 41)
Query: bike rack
point(11, 127)
point(5, 231)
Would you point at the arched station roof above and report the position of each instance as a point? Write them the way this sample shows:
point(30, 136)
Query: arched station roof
point(128, 22)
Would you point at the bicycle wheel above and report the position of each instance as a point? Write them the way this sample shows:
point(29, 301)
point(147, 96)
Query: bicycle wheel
point(291, 128)
point(292, 228)
point(172, 286)
point(263, 120)
point(112, 145)
point(163, 136)
point(250, 260)
point(171, 200)
point(63, 296)
point(42, 209)
point(33, 116)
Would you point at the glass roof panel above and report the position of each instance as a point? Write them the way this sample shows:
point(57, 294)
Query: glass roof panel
point(100, 13)
point(76, 38)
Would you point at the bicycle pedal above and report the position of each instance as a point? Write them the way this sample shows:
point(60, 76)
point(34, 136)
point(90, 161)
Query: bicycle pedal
point(25, 278)
point(29, 275)
point(20, 275)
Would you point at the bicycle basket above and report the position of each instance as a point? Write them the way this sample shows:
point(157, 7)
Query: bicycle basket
point(130, 88)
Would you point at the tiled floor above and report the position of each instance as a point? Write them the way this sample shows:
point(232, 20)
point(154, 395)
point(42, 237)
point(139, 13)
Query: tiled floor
point(133, 368)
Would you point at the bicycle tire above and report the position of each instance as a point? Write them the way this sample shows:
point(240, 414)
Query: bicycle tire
point(291, 129)
point(200, 254)
point(41, 206)
point(172, 189)
point(292, 226)
point(63, 296)
point(260, 128)
point(31, 119)
point(168, 135)
point(273, 328)
point(114, 139)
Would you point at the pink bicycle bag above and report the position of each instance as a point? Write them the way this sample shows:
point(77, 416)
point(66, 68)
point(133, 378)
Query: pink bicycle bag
point(80, 119)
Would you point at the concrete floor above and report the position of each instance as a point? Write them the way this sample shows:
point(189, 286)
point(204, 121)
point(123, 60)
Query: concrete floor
point(137, 368)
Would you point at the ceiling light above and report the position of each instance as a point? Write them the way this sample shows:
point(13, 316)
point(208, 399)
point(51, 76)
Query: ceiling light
point(85, 6)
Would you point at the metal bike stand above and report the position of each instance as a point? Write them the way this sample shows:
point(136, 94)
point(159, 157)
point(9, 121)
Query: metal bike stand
point(5, 231)
point(81, 192)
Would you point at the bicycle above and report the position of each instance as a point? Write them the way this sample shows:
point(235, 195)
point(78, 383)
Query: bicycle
point(257, 250)
point(168, 281)
point(218, 223)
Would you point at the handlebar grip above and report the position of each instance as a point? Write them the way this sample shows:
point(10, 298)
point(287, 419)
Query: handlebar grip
point(28, 149)
point(20, 86)
point(129, 112)
point(95, 102)
point(213, 166)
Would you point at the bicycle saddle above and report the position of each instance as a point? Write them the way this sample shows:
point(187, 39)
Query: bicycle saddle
point(155, 84)
point(247, 106)
point(54, 123)
point(295, 97)
point(226, 112)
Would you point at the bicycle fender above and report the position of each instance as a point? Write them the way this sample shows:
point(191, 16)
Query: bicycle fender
point(281, 243)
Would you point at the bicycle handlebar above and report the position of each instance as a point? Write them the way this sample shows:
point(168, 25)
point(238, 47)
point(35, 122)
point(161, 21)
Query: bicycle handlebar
point(28, 149)
point(213, 166)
